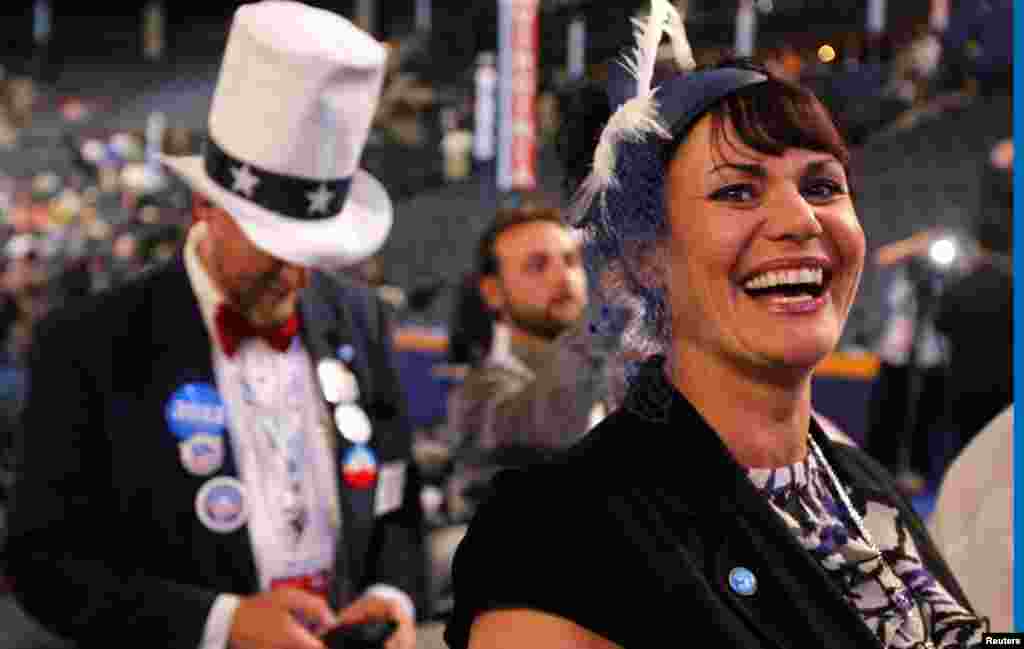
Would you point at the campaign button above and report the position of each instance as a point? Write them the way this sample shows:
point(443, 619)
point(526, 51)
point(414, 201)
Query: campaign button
point(352, 423)
point(346, 353)
point(359, 467)
point(339, 385)
point(742, 581)
point(202, 454)
point(194, 409)
point(221, 505)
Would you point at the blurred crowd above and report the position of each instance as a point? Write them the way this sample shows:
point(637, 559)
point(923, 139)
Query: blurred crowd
point(69, 235)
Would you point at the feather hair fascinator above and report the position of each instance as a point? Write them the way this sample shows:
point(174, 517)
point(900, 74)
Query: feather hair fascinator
point(634, 109)
point(644, 114)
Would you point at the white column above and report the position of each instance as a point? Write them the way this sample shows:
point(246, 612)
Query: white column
point(424, 13)
point(746, 28)
point(42, 34)
point(876, 17)
point(576, 59)
point(486, 108)
point(153, 30)
point(42, 22)
point(504, 121)
point(156, 126)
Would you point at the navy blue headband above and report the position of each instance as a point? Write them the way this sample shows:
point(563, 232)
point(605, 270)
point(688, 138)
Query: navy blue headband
point(299, 198)
point(683, 97)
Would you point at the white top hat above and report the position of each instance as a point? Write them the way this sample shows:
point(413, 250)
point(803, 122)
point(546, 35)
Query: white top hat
point(291, 113)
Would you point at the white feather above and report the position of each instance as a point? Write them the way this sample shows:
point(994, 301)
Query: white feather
point(637, 118)
point(648, 35)
point(676, 29)
point(633, 122)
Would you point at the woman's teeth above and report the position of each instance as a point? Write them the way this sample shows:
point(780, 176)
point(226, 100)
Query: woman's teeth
point(780, 278)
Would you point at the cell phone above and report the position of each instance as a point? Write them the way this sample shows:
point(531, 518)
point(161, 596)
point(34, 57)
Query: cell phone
point(370, 635)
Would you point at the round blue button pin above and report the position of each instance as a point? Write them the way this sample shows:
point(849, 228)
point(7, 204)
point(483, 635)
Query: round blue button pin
point(346, 353)
point(195, 409)
point(742, 581)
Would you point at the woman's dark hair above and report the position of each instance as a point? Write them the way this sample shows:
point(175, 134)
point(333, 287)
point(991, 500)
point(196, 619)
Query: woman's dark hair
point(771, 117)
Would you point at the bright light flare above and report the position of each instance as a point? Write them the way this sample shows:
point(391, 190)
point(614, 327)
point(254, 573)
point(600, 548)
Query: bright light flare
point(943, 252)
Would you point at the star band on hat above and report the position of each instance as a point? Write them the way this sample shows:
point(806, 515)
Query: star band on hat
point(291, 196)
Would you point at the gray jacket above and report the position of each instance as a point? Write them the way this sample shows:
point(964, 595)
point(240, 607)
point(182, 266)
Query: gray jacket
point(524, 403)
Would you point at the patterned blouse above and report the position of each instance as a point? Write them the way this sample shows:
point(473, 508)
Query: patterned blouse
point(803, 496)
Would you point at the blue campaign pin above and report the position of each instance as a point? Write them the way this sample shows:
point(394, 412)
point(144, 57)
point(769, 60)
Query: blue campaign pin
point(742, 581)
point(346, 353)
point(195, 409)
point(221, 505)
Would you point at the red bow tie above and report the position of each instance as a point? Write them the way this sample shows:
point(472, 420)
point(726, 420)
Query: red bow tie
point(233, 329)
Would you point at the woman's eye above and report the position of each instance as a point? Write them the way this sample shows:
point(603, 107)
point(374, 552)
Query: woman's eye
point(735, 193)
point(823, 189)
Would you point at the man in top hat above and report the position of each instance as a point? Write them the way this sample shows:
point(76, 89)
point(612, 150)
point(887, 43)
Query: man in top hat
point(217, 453)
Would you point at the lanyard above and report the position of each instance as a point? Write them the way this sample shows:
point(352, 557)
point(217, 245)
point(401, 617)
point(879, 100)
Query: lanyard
point(904, 601)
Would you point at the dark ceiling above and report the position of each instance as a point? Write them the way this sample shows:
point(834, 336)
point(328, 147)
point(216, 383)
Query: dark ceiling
point(80, 30)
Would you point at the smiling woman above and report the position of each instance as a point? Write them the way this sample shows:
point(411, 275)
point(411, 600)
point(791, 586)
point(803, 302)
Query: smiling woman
point(763, 254)
point(720, 201)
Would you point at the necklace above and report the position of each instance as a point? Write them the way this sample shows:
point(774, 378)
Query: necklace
point(902, 599)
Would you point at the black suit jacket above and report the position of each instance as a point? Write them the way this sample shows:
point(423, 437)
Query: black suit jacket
point(105, 545)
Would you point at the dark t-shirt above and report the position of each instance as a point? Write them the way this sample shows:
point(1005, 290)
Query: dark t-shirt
point(976, 315)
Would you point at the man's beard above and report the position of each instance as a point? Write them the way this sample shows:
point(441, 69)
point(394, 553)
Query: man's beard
point(537, 322)
point(263, 309)
point(261, 301)
point(258, 298)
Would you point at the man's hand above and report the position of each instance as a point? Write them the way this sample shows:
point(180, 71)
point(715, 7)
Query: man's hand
point(371, 608)
point(272, 621)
